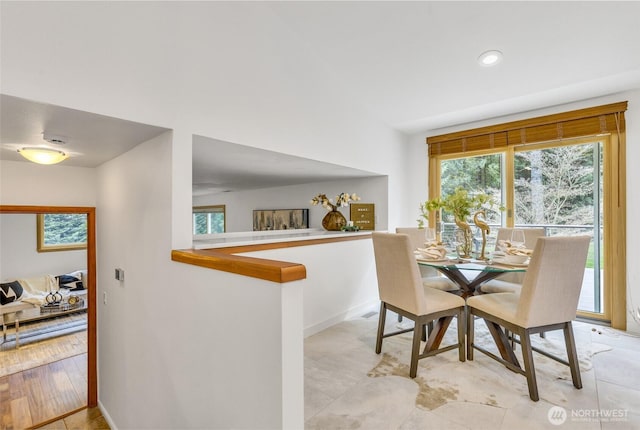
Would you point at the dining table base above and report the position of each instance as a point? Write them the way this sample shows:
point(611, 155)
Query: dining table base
point(437, 332)
point(469, 287)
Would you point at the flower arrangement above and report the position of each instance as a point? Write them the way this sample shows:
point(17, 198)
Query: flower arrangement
point(460, 204)
point(334, 220)
point(342, 200)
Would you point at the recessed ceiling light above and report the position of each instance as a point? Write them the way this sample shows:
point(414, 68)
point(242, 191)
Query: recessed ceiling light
point(490, 58)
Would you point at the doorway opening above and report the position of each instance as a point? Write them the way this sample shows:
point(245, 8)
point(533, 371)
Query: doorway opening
point(91, 320)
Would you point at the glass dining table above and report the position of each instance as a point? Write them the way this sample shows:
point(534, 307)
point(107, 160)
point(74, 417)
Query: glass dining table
point(458, 271)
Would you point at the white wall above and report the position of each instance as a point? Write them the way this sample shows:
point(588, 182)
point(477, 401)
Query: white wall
point(225, 344)
point(341, 281)
point(416, 168)
point(239, 205)
point(199, 348)
point(633, 177)
point(26, 183)
point(19, 257)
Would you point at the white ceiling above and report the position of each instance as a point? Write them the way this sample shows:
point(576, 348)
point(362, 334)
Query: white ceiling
point(90, 139)
point(93, 139)
point(413, 64)
point(410, 64)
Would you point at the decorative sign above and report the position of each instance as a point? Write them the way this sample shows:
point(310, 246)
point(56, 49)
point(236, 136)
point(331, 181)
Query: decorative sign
point(363, 215)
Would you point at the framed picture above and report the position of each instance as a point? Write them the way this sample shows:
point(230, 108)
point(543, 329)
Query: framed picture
point(280, 219)
point(363, 215)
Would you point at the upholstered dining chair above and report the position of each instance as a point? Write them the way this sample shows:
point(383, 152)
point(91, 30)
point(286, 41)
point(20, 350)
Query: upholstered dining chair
point(548, 301)
point(430, 276)
point(511, 282)
point(401, 290)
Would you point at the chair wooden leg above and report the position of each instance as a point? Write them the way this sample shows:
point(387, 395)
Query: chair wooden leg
point(381, 320)
point(461, 337)
point(529, 369)
point(415, 348)
point(470, 333)
point(572, 355)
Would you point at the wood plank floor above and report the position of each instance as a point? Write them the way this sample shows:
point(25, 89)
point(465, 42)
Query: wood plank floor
point(39, 350)
point(85, 419)
point(43, 393)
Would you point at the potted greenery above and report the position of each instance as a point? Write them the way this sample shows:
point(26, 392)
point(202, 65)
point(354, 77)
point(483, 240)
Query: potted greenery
point(461, 204)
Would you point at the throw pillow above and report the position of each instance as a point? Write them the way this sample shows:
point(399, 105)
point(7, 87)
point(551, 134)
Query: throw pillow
point(10, 292)
point(70, 282)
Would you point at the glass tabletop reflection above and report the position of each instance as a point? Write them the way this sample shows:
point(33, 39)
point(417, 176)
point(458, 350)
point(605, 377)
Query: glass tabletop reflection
point(455, 268)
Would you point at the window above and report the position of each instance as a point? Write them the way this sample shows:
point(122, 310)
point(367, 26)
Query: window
point(61, 231)
point(564, 172)
point(482, 173)
point(209, 219)
point(559, 186)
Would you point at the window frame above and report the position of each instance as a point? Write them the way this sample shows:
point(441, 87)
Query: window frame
point(208, 209)
point(40, 234)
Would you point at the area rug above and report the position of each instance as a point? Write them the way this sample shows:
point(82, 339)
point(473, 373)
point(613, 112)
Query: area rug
point(44, 342)
point(443, 378)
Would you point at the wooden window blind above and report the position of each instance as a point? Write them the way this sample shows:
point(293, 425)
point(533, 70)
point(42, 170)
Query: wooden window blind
point(578, 123)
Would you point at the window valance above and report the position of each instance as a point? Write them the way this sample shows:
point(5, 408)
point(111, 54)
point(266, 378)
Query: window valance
point(578, 123)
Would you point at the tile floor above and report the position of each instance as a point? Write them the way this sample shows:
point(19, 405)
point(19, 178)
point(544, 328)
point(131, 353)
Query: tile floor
point(348, 386)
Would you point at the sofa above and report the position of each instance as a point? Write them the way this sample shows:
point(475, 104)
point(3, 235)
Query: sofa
point(19, 294)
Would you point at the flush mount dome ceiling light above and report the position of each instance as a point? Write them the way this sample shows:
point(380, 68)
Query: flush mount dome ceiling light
point(43, 155)
point(490, 58)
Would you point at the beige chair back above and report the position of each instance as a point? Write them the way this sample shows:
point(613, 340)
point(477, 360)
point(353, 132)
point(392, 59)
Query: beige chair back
point(531, 235)
point(416, 235)
point(399, 280)
point(552, 283)
point(417, 239)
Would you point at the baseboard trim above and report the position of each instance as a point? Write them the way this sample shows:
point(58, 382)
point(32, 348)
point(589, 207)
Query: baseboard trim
point(353, 312)
point(106, 416)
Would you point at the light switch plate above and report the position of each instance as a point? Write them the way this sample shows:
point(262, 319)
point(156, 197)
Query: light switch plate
point(120, 274)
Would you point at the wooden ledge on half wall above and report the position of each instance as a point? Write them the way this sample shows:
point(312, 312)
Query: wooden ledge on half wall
point(220, 251)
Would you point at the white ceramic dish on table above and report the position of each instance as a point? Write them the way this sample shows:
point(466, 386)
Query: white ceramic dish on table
point(502, 260)
point(515, 258)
